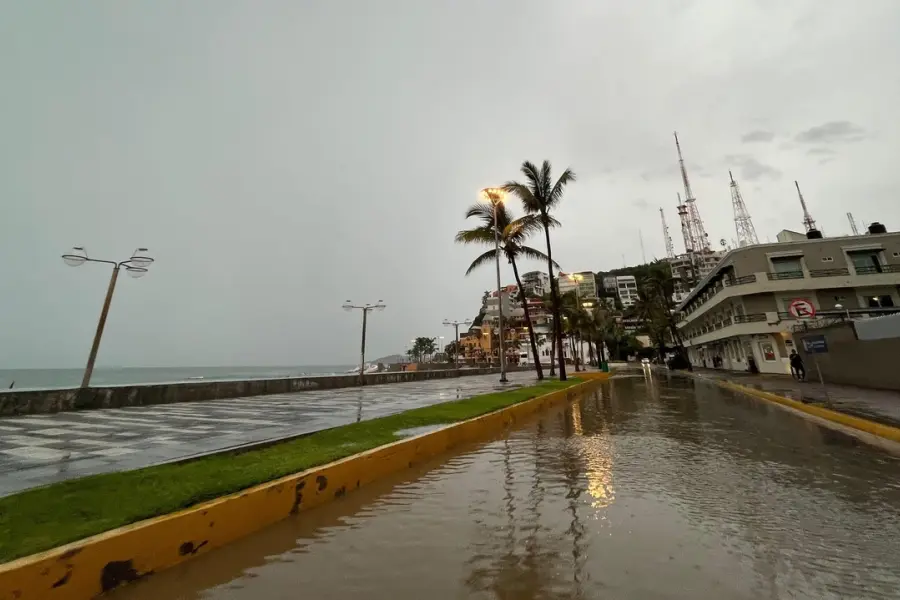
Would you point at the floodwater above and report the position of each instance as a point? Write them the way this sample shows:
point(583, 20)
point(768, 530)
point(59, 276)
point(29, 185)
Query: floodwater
point(650, 488)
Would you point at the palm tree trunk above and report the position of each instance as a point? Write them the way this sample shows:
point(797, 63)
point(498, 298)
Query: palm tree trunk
point(552, 352)
point(534, 349)
point(554, 297)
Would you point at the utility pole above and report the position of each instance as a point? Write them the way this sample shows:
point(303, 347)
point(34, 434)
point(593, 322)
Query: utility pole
point(643, 254)
point(366, 309)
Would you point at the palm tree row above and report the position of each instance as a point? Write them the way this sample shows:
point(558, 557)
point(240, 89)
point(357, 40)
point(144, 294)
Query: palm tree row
point(539, 196)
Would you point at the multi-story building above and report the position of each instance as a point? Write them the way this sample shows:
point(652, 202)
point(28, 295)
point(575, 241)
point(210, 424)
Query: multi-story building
point(536, 283)
point(585, 282)
point(689, 268)
point(741, 310)
point(626, 287)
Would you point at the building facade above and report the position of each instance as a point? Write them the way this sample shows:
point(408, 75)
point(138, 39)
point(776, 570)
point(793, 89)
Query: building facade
point(536, 283)
point(584, 282)
point(740, 312)
point(626, 288)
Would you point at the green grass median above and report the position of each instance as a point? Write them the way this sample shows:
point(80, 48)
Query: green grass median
point(44, 518)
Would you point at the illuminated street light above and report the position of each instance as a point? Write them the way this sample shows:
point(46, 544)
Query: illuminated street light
point(366, 309)
point(136, 266)
point(496, 196)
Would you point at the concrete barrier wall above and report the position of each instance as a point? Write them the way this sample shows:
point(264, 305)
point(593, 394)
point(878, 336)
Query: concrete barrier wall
point(851, 361)
point(50, 401)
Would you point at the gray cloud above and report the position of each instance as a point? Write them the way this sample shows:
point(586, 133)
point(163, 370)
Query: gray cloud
point(752, 169)
point(640, 203)
point(821, 152)
point(273, 180)
point(832, 132)
point(757, 136)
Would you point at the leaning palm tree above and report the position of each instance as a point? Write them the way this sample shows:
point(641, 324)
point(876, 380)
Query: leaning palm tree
point(540, 196)
point(512, 236)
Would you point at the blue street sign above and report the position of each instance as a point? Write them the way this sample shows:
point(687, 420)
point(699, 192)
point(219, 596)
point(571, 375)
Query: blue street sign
point(815, 344)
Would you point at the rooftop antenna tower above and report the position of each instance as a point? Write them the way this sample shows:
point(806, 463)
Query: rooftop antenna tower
point(698, 231)
point(643, 254)
point(853, 227)
point(670, 247)
point(685, 226)
point(743, 225)
point(808, 221)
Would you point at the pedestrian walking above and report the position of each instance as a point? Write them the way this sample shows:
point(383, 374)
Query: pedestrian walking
point(797, 368)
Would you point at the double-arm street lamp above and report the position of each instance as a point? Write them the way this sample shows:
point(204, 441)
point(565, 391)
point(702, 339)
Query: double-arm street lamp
point(136, 266)
point(366, 309)
point(455, 325)
point(496, 196)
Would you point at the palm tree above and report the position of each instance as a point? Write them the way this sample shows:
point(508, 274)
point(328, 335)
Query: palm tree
point(539, 196)
point(512, 234)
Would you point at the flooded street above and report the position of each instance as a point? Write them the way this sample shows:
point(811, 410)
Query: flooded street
point(648, 488)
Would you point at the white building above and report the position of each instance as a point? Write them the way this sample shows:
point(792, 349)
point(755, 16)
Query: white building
point(585, 282)
point(748, 307)
point(536, 283)
point(626, 288)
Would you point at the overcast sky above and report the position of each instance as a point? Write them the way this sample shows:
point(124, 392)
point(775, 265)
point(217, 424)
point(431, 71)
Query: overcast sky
point(280, 157)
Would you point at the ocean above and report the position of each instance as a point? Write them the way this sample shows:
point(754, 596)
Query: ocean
point(30, 379)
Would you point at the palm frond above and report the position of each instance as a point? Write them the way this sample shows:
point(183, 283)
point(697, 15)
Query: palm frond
point(478, 235)
point(546, 178)
point(485, 258)
point(535, 254)
point(555, 194)
point(482, 210)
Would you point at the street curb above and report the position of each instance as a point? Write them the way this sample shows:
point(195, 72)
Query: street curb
point(98, 564)
point(866, 426)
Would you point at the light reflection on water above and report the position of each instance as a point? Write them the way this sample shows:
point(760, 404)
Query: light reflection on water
point(649, 488)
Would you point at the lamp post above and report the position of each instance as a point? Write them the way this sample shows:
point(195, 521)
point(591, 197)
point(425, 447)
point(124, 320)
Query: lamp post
point(496, 196)
point(455, 325)
point(366, 309)
point(136, 266)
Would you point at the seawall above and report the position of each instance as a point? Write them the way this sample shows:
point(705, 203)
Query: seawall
point(51, 401)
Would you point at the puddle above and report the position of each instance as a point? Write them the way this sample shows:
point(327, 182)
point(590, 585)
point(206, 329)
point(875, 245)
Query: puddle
point(414, 431)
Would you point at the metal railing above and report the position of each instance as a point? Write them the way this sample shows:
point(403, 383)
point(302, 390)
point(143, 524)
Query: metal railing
point(741, 280)
point(785, 275)
point(830, 272)
point(752, 318)
point(872, 270)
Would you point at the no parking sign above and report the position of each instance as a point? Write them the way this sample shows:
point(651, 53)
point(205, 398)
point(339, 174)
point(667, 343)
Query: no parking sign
point(802, 309)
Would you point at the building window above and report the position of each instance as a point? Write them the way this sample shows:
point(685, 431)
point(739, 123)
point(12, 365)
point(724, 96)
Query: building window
point(881, 302)
point(896, 254)
point(768, 352)
point(840, 298)
point(787, 264)
point(866, 261)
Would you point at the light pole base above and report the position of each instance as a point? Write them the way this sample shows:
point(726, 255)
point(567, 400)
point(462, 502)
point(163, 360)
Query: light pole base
point(503, 379)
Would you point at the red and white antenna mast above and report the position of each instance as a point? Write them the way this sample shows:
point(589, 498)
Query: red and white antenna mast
point(743, 225)
point(670, 247)
point(808, 221)
point(698, 232)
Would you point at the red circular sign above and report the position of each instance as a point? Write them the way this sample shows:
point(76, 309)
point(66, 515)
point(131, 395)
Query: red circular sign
point(802, 309)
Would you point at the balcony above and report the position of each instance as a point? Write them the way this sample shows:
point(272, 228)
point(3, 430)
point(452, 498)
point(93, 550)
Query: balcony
point(751, 318)
point(842, 272)
point(785, 275)
point(875, 269)
point(741, 280)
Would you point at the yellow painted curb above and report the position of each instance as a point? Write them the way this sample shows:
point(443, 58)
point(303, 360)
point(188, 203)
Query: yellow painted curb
point(87, 568)
point(865, 425)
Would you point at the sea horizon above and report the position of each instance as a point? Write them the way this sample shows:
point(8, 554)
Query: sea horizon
point(62, 378)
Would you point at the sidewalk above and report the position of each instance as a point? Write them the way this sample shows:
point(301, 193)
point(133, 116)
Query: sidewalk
point(46, 448)
point(875, 405)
